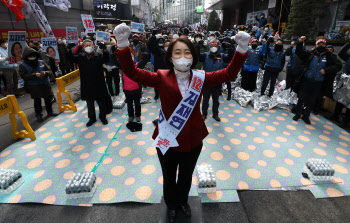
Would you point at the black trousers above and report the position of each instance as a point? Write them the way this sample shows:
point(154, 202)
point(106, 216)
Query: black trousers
point(290, 80)
point(37, 105)
point(131, 99)
point(248, 80)
point(156, 95)
point(308, 95)
point(229, 90)
point(3, 79)
point(215, 93)
point(177, 192)
point(338, 110)
point(113, 76)
point(91, 108)
point(270, 75)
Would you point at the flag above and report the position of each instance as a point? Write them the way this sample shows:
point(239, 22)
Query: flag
point(63, 5)
point(16, 7)
point(31, 8)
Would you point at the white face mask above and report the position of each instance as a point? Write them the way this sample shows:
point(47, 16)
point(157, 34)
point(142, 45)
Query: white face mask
point(64, 41)
point(31, 58)
point(161, 44)
point(182, 64)
point(213, 49)
point(41, 45)
point(198, 39)
point(166, 48)
point(89, 49)
point(266, 29)
point(6, 45)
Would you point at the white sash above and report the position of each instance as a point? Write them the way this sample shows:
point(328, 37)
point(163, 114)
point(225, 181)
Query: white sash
point(169, 130)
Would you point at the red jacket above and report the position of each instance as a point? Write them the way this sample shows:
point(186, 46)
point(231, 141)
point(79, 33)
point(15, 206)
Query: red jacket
point(165, 82)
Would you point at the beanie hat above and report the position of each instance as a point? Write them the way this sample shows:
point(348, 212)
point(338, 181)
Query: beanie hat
point(213, 43)
point(321, 40)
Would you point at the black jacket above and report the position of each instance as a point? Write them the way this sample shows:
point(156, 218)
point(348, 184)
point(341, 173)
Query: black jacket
point(92, 81)
point(306, 57)
point(154, 48)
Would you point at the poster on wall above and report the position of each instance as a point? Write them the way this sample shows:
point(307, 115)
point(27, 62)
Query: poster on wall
point(50, 47)
point(137, 27)
point(272, 4)
point(251, 16)
point(16, 45)
point(72, 34)
point(103, 36)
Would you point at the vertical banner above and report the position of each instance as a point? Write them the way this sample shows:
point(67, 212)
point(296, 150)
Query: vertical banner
point(137, 27)
point(88, 23)
point(17, 43)
point(103, 36)
point(50, 47)
point(72, 34)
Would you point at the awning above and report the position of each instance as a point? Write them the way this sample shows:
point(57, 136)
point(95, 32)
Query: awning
point(224, 4)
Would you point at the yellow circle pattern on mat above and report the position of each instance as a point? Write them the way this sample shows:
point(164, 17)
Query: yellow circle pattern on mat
point(129, 181)
point(78, 148)
point(262, 163)
point(90, 166)
point(5, 153)
point(344, 138)
point(216, 156)
point(143, 193)
point(235, 141)
point(253, 173)
point(294, 152)
point(68, 175)
point(250, 128)
point(107, 194)
point(131, 136)
point(281, 139)
point(49, 199)
point(149, 169)
point(151, 151)
point(39, 173)
point(259, 140)
point(251, 147)
point(342, 151)
point(275, 184)
point(34, 163)
point(227, 148)
point(306, 182)
point(62, 163)
point(320, 152)
point(334, 192)
point(243, 155)
point(136, 161)
point(340, 169)
point(42, 185)
point(28, 146)
point(283, 171)
point(117, 170)
point(243, 185)
point(53, 148)
point(125, 151)
point(269, 153)
point(160, 180)
point(234, 164)
point(289, 161)
point(215, 196)
point(222, 175)
point(212, 141)
point(15, 199)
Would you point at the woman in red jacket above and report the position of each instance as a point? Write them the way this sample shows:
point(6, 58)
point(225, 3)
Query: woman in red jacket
point(181, 126)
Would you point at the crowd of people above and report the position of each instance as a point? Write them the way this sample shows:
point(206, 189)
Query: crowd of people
point(309, 73)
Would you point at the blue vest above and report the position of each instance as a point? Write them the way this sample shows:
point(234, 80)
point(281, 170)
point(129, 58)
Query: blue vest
point(210, 65)
point(291, 61)
point(38, 69)
point(274, 59)
point(317, 64)
point(346, 68)
point(253, 60)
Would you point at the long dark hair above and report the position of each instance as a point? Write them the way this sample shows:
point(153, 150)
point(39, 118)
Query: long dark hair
point(190, 45)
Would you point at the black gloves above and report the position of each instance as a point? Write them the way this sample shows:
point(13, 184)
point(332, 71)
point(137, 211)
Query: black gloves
point(102, 46)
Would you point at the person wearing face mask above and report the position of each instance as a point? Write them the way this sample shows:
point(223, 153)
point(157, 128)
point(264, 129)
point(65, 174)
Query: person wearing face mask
point(318, 63)
point(36, 74)
point(8, 70)
point(251, 66)
point(137, 47)
point(213, 61)
point(201, 45)
point(262, 20)
point(174, 87)
point(65, 56)
point(273, 66)
point(92, 82)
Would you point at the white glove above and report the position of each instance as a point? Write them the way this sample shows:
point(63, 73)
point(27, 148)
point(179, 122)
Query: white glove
point(242, 39)
point(122, 33)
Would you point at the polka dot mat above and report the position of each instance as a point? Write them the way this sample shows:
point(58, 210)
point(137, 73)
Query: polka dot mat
point(248, 150)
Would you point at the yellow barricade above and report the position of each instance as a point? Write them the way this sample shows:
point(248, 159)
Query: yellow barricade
point(62, 83)
point(9, 104)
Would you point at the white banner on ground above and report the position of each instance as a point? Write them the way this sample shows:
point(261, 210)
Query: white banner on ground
point(31, 8)
point(63, 5)
point(50, 47)
point(17, 43)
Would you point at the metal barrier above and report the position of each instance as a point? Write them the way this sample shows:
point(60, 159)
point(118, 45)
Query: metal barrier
point(62, 83)
point(10, 105)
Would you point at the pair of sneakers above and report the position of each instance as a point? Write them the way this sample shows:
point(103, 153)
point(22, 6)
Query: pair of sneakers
point(131, 119)
point(304, 118)
point(91, 122)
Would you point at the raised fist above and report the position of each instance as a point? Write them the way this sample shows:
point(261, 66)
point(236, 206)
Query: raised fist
point(122, 33)
point(242, 39)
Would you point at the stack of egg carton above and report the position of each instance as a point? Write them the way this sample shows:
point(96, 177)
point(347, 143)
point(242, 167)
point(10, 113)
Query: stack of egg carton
point(206, 179)
point(319, 169)
point(10, 180)
point(119, 106)
point(81, 185)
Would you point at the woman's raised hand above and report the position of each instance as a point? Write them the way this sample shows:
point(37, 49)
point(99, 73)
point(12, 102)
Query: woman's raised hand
point(122, 33)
